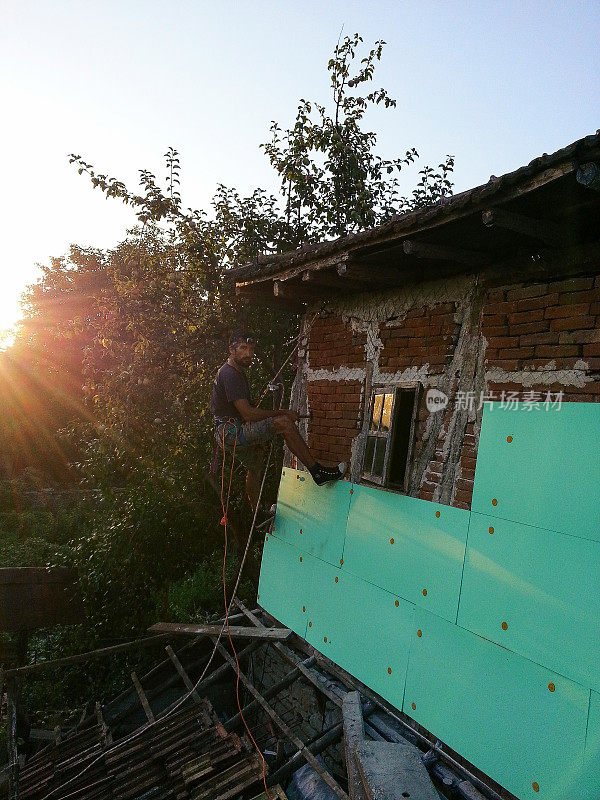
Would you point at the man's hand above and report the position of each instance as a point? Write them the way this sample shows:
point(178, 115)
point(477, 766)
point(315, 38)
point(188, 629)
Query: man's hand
point(293, 415)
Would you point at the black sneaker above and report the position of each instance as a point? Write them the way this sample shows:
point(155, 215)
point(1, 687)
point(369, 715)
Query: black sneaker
point(321, 474)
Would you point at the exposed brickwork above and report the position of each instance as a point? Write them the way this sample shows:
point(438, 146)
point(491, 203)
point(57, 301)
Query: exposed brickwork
point(528, 326)
point(424, 335)
point(333, 344)
point(336, 408)
point(527, 340)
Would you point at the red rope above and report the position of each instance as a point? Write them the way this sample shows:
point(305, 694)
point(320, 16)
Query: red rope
point(225, 507)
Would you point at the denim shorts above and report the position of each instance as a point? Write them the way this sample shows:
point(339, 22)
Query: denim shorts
point(246, 437)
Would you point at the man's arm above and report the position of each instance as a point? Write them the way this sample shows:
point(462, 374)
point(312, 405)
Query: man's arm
point(251, 414)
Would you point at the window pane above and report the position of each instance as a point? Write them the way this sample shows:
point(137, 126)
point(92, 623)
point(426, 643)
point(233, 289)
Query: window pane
point(379, 457)
point(369, 450)
point(386, 416)
point(377, 406)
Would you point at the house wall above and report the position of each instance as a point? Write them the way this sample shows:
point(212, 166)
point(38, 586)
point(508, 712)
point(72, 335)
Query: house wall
point(459, 336)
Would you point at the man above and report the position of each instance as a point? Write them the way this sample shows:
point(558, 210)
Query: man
point(238, 423)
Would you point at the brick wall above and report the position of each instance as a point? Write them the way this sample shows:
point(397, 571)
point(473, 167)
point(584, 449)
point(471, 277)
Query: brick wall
point(336, 407)
point(333, 344)
point(425, 334)
point(522, 338)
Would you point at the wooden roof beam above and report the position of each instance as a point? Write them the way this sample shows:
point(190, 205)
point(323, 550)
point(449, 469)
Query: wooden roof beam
point(543, 230)
point(437, 252)
point(376, 276)
point(294, 291)
point(320, 278)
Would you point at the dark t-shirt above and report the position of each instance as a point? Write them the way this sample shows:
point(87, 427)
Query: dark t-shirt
point(229, 385)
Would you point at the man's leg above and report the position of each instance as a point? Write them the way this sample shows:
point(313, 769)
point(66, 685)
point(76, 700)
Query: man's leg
point(294, 441)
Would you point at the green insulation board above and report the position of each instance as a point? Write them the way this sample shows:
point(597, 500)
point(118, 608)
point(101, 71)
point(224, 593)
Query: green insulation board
point(284, 583)
point(343, 606)
point(548, 474)
point(496, 708)
point(311, 517)
point(535, 592)
point(410, 547)
point(521, 701)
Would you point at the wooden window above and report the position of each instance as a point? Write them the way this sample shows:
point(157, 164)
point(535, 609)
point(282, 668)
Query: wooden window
point(389, 435)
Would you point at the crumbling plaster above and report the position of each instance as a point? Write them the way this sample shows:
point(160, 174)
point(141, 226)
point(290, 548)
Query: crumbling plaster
point(442, 439)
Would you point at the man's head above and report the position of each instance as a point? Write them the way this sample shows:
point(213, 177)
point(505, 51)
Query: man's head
point(241, 348)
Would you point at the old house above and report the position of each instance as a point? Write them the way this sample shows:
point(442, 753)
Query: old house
point(452, 357)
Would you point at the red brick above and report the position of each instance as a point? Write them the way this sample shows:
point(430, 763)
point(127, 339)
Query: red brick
point(533, 290)
point(555, 351)
point(538, 338)
point(580, 337)
point(516, 352)
point(508, 365)
point(495, 330)
point(526, 316)
point(503, 341)
point(529, 327)
point(543, 301)
point(592, 349)
point(570, 323)
point(572, 285)
point(573, 298)
point(567, 311)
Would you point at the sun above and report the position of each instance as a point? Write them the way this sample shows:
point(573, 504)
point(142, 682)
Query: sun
point(10, 314)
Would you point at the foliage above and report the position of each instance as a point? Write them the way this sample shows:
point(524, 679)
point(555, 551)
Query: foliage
point(333, 181)
point(122, 346)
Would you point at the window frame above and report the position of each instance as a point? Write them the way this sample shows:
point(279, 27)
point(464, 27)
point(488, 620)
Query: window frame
point(393, 389)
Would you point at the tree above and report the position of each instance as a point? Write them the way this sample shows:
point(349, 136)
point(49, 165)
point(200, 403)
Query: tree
point(142, 328)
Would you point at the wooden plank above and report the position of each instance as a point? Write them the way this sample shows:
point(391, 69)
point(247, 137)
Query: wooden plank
point(544, 230)
point(106, 735)
point(101, 653)
point(287, 732)
point(183, 674)
point(143, 698)
point(274, 690)
point(236, 632)
point(354, 735)
point(438, 252)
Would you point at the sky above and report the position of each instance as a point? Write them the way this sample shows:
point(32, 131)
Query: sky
point(495, 84)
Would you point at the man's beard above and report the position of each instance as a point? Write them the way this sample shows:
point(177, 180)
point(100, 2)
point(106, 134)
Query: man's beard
point(243, 362)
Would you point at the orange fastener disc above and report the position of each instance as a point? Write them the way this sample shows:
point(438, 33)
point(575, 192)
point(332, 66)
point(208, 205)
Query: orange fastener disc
point(535, 786)
point(351, 491)
point(266, 538)
point(437, 513)
point(258, 597)
point(509, 439)
point(336, 580)
point(300, 558)
point(300, 530)
point(389, 670)
point(504, 626)
point(424, 592)
point(324, 638)
point(391, 541)
point(490, 529)
point(341, 560)
point(551, 687)
point(413, 706)
point(494, 502)
point(419, 633)
point(310, 624)
point(303, 609)
point(397, 603)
